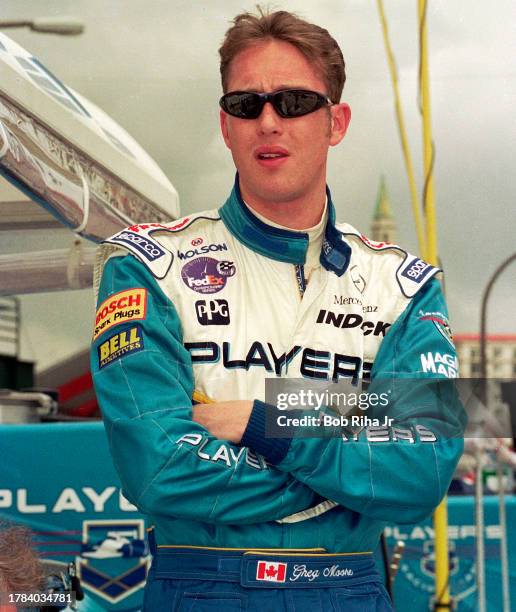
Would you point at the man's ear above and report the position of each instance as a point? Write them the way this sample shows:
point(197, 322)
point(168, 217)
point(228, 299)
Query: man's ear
point(340, 118)
point(224, 128)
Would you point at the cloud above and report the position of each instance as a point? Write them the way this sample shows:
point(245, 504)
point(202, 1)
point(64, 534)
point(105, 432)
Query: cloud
point(156, 72)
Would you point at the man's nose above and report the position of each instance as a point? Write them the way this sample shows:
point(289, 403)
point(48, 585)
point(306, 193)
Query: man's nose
point(269, 122)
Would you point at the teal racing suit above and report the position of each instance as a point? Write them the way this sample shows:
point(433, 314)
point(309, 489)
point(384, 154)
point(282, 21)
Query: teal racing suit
point(217, 302)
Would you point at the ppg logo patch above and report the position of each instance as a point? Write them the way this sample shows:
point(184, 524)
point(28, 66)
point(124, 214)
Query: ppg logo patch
point(145, 247)
point(212, 312)
point(417, 270)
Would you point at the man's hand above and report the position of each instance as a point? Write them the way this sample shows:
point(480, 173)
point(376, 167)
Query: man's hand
point(224, 420)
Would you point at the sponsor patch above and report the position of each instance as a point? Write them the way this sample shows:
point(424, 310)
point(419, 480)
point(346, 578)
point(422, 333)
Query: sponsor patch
point(119, 345)
point(271, 571)
point(142, 227)
point(224, 454)
point(440, 363)
point(441, 323)
point(206, 248)
point(196, 242)
point(312, 363)
point(373, 244)
point(341, 300)
point(358, 279)
point(351, 320)
point(413, 273)
point(127, 305)
point(416, 270)
point(226, 268)
point(207, 275)
point(142, 245)
point(212, 312)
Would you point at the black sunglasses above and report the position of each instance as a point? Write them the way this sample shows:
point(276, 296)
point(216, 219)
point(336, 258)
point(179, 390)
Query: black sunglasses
point(288, 103)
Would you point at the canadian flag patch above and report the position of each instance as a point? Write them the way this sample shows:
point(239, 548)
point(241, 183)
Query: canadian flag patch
point(273, 572)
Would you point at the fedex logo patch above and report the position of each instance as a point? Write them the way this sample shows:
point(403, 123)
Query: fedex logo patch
point(271, 571)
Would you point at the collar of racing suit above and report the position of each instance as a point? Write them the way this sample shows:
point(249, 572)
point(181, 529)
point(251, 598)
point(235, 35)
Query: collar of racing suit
point(280, 244)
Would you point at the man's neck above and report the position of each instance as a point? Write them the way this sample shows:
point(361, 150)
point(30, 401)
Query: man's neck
point(296, 214)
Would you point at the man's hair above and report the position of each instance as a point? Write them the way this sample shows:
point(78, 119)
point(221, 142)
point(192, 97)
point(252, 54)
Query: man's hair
point(20, 567)
point(314, 42)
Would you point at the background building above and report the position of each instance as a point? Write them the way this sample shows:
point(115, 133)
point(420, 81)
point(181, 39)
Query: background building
point(501, 355)
point(383, 227)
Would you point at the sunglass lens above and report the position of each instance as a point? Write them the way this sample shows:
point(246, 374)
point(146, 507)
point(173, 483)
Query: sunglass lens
point(247, 105)
point(296, 103)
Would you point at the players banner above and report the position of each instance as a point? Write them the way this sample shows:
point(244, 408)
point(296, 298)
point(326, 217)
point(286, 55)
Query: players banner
point(58, 479)
point(414, 587)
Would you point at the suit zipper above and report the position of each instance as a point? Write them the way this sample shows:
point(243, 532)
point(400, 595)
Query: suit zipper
point(300, 279)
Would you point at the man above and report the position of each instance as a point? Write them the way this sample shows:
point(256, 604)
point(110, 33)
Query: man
point(267, 286)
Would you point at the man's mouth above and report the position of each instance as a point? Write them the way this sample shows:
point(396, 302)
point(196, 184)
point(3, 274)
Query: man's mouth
point(269, 154)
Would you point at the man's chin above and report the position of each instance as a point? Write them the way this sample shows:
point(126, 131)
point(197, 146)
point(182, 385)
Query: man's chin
point(272, 191)
point(277, 198)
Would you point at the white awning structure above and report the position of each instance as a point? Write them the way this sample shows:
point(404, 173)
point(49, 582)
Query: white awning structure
point(41, 271)
point(70, 166)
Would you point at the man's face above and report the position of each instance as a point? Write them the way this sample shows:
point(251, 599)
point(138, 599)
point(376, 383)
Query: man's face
point(302, 142)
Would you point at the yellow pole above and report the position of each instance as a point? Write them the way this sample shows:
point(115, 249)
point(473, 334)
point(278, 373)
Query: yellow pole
point(442, 569)
point(416, 205)
point(428, 149)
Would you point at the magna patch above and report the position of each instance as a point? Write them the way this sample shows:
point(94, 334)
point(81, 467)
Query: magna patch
point(440, 363)
point(119, 345)
point(128, 305)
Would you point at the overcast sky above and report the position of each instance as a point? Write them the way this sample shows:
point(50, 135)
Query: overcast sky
point(153, 67)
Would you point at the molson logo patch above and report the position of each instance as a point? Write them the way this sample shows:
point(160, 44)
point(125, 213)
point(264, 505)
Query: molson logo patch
point(128, 305)
point(206, 248)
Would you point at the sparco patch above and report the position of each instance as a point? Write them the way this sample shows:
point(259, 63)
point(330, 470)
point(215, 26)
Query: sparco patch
point(128, 305)
point(416, 270)
point(146, 247)
point(207, 275)
point(119, 345)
